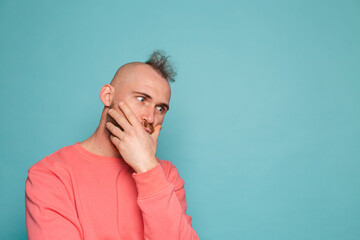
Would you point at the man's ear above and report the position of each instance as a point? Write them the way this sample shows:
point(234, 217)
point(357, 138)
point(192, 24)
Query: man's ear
point(106, 94)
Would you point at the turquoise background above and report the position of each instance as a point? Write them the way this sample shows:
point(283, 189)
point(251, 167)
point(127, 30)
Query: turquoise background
point(264, 121)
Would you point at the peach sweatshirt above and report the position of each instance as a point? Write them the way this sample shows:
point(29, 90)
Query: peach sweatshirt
point(75, 194)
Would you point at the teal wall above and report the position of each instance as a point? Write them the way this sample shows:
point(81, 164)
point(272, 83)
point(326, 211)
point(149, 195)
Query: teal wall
point(265, 120)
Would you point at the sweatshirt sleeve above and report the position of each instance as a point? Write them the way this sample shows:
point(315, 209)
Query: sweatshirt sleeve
point(161, 198)
point(50, 209)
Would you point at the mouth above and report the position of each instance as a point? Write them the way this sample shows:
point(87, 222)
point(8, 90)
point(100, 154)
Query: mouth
point(148, 127)
point(148, 130)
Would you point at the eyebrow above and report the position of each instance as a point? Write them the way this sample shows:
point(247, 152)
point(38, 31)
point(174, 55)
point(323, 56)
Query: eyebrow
point(148, 96)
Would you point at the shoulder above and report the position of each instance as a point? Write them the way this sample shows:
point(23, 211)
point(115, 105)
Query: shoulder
point(171, 173)
point(50, 181)
point(60, 157)
point(50, 178)
point(56, 163)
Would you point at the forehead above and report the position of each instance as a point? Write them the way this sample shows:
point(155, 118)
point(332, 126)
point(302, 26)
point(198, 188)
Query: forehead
point(143, 78)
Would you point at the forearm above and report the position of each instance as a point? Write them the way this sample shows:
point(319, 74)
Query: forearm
point(164, 214)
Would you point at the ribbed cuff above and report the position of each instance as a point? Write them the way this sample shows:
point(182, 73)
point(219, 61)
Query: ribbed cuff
point(150, 182)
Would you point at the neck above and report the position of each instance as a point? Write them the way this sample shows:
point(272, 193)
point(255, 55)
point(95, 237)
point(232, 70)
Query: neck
point(99, 142)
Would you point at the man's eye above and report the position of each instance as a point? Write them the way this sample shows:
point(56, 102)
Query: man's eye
point(160, 109)
point(141, 99)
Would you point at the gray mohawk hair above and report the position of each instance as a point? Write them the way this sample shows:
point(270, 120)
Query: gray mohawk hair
point(161, 63)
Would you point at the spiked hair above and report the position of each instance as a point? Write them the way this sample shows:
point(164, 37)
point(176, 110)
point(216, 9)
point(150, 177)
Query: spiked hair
point(160, 62)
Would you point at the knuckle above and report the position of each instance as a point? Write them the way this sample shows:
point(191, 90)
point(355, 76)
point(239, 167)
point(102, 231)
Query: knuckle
point(125, 140)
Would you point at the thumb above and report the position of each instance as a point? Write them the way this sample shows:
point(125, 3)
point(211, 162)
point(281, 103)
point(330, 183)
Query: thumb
point(155, 134)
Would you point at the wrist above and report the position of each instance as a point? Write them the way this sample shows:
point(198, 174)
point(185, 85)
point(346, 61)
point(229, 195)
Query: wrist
point(146, 167)
point(151, 182)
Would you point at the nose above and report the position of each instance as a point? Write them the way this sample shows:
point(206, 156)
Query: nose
point(149, 115)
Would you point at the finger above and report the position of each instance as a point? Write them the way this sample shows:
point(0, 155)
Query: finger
point(129, 114)
point(115, 141)
point(121, 120)
point(114, 130)
point(156, 133)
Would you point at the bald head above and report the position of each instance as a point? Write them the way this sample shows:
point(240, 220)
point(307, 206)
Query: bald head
point(140, 76)
point(125, 72)
point(158, 61)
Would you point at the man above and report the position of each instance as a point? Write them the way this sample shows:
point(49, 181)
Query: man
point(111, 186)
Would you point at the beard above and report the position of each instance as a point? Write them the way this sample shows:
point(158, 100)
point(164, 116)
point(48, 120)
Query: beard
point(110, 119)
point(144, 123)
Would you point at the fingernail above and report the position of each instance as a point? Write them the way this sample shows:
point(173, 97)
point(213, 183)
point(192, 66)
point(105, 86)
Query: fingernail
point(121, 103)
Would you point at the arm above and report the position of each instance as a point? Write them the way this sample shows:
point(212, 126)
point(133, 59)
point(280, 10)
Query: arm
point(162, 201)
point(161, 197)
point(50, 209)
